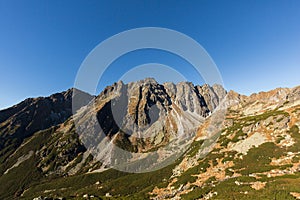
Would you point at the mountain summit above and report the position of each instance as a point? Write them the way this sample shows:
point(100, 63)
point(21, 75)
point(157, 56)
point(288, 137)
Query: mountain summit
point(143, 116)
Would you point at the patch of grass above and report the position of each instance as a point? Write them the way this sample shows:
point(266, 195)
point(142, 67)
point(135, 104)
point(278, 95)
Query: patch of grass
point(18, 179)
point(228, 172)
point(279, 138)
point(211, 180)
point(258, 159)
point(121, 185)
point(236, 129)
point(296, 159)
point(294, 131)
point(187, 176)
point(229, 156)
point(238, 136)
point(279, 120)
point(278, 188)
point(194, 148)
point(72, 183)
point(26, 174)
point(229, 190)
point(257, 118)
point(35, 142)
point(197, 193)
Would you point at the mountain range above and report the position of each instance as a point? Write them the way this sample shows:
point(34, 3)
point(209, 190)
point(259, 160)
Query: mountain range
point(145, 140)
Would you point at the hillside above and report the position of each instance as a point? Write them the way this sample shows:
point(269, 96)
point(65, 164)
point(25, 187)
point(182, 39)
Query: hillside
point(250, 151)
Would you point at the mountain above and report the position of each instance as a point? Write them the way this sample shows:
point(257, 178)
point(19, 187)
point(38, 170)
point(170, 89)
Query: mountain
point(196, 142)
point(31, 115)
point(141, 117)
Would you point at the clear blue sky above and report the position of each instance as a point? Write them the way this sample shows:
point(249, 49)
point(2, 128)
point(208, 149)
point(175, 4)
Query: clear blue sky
point(255, 44)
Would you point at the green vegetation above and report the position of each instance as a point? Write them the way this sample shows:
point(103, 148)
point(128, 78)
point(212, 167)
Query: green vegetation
point(294, 131)
point(229, 156)
point(72, 183)
point(278, 188)
point(279, 138)
point(239, 123)
point(254, 119)
point(194, 148)
point(30, 174)
point(188, 176)
point(196, 193)
point(123, 185)
point(120, 184)
point(238, 136)
point(296, 159)
point(258, 159)
point(26, 175)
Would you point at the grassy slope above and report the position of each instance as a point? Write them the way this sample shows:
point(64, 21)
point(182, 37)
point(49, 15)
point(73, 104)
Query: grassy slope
point(136, 186)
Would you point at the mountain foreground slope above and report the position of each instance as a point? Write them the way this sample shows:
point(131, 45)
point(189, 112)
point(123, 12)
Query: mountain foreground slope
point(46, 151)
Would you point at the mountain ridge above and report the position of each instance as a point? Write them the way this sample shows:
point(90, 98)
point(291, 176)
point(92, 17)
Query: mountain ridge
point(57, 149)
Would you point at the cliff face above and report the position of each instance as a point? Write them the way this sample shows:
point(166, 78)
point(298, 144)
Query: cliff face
point(146, 105)
point(59, 154)
point(143, 116)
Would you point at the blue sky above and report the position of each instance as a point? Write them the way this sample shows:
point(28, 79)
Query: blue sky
point(255, 44)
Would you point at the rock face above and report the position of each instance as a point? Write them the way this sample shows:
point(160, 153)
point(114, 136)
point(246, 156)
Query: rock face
point(141, 110)
point(143, 116)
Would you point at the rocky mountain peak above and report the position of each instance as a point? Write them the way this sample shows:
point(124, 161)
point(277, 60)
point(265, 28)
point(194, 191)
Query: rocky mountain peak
point(148, 114)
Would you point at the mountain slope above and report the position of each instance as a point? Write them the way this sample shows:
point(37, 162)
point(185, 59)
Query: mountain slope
point(256, 155)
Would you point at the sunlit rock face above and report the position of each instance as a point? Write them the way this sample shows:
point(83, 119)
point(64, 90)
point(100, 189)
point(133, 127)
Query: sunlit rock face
point(150, 114)
point(145, 116)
